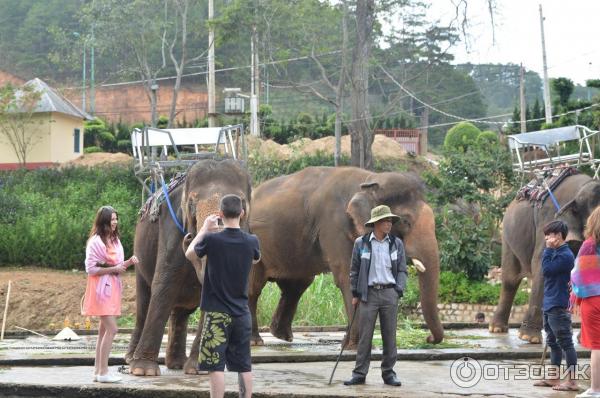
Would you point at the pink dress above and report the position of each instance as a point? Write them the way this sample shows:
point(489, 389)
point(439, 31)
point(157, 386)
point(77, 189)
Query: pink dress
point(103, 292)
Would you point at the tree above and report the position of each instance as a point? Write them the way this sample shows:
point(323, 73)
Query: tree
point(161, 31)
point(360, 132)
point(17, 124)
point(461, 137)
point(563, 87)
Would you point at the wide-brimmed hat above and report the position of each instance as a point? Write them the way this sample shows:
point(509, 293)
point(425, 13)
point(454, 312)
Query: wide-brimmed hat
point(379, 213)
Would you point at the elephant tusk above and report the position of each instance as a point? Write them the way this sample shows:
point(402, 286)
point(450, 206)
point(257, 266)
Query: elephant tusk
point(418, 265)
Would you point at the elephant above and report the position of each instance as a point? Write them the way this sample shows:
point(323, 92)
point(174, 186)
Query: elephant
point(307, 223)
point(523, 244)
point(168, 286)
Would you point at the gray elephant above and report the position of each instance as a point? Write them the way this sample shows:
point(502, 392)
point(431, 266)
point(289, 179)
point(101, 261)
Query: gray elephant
point(523, 243)
point(167, 284)
point(307, 222)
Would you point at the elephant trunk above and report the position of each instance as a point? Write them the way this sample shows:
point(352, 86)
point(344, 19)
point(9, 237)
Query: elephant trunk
point(428, 286)
point(196, 262)
point(422, 245)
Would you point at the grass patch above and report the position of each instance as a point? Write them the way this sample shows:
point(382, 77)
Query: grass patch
point(409, 336)
point(321, 304)
point(126, 321)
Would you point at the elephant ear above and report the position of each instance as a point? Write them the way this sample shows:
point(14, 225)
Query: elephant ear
point(359, 207)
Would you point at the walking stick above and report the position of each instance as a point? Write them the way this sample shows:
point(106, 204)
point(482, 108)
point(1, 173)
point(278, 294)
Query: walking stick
point(544, 354)
point(347, 337)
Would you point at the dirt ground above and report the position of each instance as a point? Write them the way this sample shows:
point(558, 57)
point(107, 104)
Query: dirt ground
point(383, 147)
point(42, 299)
point(93, 159)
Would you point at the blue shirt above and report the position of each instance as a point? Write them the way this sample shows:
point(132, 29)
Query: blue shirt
point(556, 269)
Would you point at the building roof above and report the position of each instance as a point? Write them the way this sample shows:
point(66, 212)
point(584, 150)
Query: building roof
point(52, 101)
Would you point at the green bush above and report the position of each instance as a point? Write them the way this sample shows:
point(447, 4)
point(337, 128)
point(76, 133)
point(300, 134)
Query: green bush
point(487, 138)
point(461, 136)
point(455, 287)
point(124, 146)
point(56, 209)
point(92, 149)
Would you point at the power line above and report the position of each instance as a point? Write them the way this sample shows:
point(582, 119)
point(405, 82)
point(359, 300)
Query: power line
point(410, 94)
point(223, 69)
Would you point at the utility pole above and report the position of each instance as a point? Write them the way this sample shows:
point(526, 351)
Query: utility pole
point(83, 82)
point(211, 66)
point(522, 98)
point(547, 104)
point(92, 77)
point(254, 84)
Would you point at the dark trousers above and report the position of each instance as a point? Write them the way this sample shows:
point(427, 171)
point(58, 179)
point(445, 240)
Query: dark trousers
point(559, 336)
point(385, 303)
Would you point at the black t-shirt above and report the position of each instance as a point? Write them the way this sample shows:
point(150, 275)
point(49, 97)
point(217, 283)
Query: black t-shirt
point(229, 258)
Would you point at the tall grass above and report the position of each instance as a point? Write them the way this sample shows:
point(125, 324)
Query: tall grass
point(321, 304)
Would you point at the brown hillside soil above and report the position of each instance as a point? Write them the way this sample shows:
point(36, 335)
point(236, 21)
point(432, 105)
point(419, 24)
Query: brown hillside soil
point(384, 148)
point(41, 299)
point(97, 158)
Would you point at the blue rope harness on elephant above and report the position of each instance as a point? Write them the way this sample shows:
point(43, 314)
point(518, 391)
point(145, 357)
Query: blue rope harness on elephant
point(170, 206)
point(152, 205)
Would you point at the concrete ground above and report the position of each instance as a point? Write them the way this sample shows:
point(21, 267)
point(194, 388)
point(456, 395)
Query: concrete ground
point(308, 379)
point(500, 366)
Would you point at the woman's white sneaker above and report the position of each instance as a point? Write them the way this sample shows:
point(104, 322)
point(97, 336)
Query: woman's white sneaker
point(108, 378)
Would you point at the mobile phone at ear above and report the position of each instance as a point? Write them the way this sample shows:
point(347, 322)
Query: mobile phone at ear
point(219, 221)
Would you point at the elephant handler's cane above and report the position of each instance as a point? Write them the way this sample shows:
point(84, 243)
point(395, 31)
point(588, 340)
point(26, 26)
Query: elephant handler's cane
point(544, 354)
point(347, 337)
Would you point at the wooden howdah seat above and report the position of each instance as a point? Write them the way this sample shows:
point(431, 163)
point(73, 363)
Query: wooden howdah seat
point(539, 151)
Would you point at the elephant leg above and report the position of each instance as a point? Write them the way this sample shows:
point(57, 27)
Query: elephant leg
point(291, 291)
point(175, 355)
point(531, 327)
point(258, 280)
point(145, 357)
point(191, 365)
point(511, 279)
point(142, 301)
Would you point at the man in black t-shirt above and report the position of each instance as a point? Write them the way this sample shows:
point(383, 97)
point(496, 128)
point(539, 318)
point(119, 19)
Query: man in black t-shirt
point(227, 324)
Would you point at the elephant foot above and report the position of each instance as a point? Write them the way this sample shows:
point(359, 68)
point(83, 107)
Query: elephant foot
point(498, 328)
point(175, 362)
point(144, 367)
point(281, 332)
point(191, 366)
point(530, 335)
point(129, 358)
point(431, 339)
point(256, 341)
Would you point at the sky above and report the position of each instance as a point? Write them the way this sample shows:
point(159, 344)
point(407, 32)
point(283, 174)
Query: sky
point(570, 30)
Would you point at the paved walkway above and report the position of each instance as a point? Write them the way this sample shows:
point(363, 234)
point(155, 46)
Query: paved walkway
point(310, 379)
point(504, 366)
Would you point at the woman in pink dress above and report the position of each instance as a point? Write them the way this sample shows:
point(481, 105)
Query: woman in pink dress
point(104, 265)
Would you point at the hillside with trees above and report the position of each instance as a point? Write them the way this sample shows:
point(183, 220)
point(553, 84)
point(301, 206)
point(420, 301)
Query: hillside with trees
point(324, 67)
